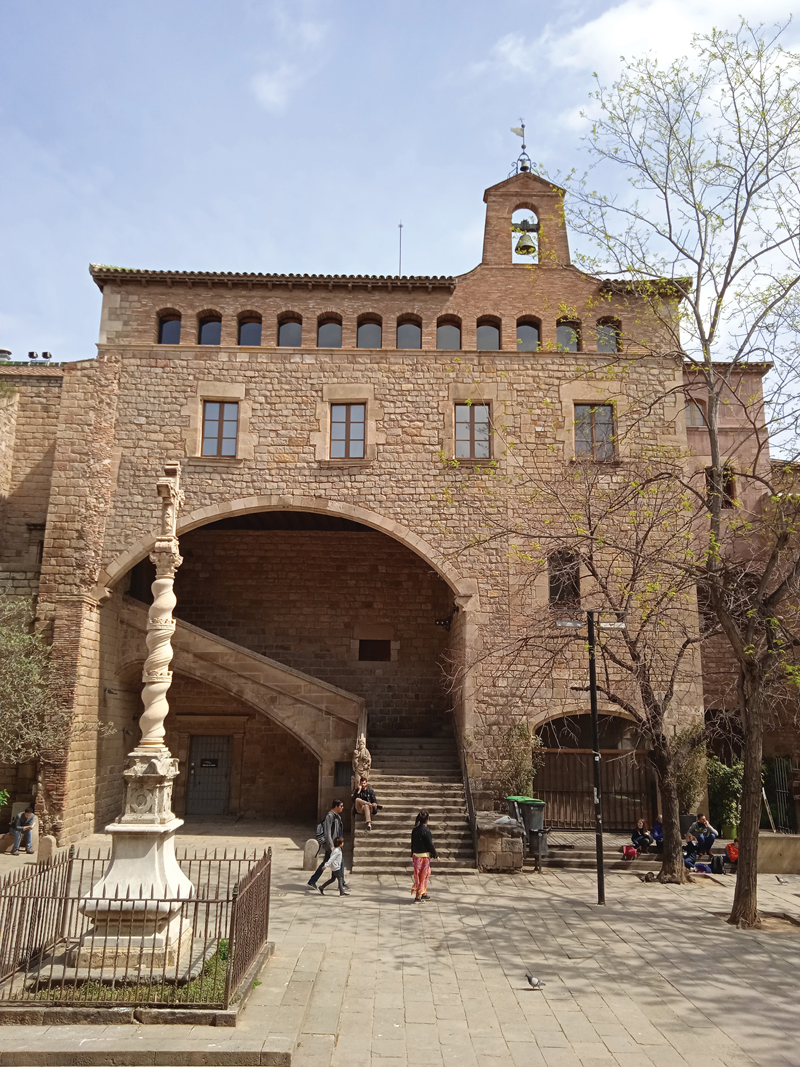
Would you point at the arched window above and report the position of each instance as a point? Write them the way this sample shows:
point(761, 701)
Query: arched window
point(568, 335)
point(448, 335)
point(370, 332)
point(250, 329)
point(209, 328)
point(524, 236)
point(488, 334)
point(169, 328)
point(528, 335)
point(609, 336)
point(290, 331)
point(409, 333)
point(329, 332)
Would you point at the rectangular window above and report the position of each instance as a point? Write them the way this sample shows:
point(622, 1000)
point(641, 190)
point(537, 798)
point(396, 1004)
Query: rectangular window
point(564, 572)
point(342, 771)
point(594, 432)
point(376, 651)
point(728, 485)
point(472, 431)
point(347, 431)
point(695, 413)
point(220, 425)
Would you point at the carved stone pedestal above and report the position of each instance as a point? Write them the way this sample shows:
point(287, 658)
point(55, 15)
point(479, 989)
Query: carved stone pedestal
point(135, 908)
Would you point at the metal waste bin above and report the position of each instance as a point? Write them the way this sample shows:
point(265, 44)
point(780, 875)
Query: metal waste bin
point(530, 813)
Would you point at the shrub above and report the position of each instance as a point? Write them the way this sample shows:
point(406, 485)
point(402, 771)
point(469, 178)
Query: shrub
point(522, 754)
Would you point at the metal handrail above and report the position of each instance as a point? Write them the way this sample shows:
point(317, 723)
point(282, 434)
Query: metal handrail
point(473, 819)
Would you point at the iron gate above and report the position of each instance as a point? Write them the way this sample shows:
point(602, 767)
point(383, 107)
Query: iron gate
point(566, 783)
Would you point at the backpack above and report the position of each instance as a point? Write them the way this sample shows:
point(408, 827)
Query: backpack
point(629, 852)
point(716, 864)
point(320, 835)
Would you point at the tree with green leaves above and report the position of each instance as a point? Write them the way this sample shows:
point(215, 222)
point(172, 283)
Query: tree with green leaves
point(705, 152)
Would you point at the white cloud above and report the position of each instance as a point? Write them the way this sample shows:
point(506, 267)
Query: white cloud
point(630, 28)
point(274, 88)
point(301, 35)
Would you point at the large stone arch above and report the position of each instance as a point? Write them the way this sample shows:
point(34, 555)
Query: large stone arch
point(463, 588)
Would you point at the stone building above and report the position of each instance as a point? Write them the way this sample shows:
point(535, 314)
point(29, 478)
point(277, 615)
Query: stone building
point(323, 584)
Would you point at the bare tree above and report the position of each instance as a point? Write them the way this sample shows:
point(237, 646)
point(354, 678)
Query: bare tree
point(709, 148)
point(619, 539)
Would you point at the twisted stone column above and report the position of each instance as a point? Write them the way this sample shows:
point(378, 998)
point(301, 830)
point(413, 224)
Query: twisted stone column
point(143, 864)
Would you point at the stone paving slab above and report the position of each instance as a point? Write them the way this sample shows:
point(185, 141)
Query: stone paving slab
point(654, 979)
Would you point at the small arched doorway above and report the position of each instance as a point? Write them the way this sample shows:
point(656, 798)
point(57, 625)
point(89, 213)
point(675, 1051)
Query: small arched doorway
point(566, 779)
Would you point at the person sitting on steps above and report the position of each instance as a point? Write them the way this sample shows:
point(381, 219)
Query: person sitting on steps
point(22, 826)
point(365, 802)
point(705, 833)
point(641, 838)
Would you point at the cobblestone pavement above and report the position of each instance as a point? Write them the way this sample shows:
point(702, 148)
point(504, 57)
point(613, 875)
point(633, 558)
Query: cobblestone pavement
point(654, 978)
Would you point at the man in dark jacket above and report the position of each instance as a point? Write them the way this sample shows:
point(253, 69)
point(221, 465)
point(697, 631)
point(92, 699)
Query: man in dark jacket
point(365, 801)
point(331, 827)
point(22, 826)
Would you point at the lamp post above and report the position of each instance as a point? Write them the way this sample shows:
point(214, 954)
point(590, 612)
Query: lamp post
point(576, 624)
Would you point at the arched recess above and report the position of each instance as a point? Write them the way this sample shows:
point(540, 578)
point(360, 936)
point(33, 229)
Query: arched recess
point(463, 588)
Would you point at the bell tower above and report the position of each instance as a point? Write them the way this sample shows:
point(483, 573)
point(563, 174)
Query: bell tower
point(525, 190)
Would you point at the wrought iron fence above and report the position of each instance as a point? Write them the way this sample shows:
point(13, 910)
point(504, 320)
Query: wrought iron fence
point(61, 946)
point(566, 782)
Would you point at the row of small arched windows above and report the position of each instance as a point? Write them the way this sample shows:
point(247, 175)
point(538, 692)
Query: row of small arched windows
point(569, 333)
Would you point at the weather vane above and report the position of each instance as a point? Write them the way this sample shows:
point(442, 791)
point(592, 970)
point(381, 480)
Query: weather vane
point(523, 163)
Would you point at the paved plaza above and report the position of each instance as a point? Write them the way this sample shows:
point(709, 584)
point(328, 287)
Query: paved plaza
point(655, 977)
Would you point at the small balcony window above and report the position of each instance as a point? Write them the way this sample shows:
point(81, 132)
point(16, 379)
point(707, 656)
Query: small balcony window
point(209, 330)
point(370, 335)
point(169, 330)
point(375, 651)
point(528, 336)
point(250, 332)
point(448, 337)
point(220, 426)
point(329, 334)
point(568, 336)
point(290, 333)
point(347, 431)
point(472, 431)
point(409, 335)
point(609, 336)
point(728, 488)
point(594, 432)
point(488, 336)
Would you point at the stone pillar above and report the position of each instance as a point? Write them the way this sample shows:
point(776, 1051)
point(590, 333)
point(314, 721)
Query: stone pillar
point(127, 904)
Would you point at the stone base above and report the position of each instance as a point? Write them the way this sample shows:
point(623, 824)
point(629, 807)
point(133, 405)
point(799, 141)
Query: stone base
point(311, 854)
point(778, 853)
point(500, 847)
point(108, 948)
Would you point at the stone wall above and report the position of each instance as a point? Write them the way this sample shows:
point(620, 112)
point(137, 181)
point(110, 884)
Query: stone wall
point(306, 598)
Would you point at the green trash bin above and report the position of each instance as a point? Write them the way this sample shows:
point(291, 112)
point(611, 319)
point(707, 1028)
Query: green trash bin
point(530, 812)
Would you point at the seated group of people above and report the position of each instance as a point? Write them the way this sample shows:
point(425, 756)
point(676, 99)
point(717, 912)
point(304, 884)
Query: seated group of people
point(698, 842)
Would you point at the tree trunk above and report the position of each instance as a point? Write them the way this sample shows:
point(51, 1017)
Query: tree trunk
point(673, 868)
point(744, 912)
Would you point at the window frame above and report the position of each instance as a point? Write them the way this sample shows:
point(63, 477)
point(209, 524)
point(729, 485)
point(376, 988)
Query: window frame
point(575, 326)
point(536, 325)
point(221, 421)
point(693, 403)
point(247, 319)
point(329, 320)
point(472, 405)
point(564, 583)
point(611, 442)
point(408, 320)
point(164, 318)
point(609, 324)
point(728, 492)
point(449, 322)
point(493, 323)
point(369, 320)
point(206, 318)
point(287, 319)
point(374, 644)
point(348, 405)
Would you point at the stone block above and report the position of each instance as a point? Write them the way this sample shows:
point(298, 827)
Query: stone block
point(310, 854)
point(47, 848)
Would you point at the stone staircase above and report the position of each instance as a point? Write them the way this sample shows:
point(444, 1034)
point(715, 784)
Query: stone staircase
point(576, 852)
point(408, 774)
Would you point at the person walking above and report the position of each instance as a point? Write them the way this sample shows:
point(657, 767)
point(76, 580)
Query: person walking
point(423, 851)
point(331, 828)
point(22, 827)
point(365, 801)
point(335, 865)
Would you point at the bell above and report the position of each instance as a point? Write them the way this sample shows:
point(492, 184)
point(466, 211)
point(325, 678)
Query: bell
point(526, 246)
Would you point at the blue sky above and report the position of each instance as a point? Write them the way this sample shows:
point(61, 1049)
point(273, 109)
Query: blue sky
point(258, 135)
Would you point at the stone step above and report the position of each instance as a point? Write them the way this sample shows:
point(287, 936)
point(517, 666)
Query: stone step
point(414, 770)
point(407, 870)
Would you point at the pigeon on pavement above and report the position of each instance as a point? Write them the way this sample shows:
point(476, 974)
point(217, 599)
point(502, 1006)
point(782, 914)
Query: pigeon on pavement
point(781, 881)
point(534, 983)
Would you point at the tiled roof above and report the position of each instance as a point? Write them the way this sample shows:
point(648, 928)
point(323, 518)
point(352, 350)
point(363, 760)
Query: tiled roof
point(105, 272)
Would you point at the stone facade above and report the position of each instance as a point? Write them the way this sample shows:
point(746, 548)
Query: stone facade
point(271, 614)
